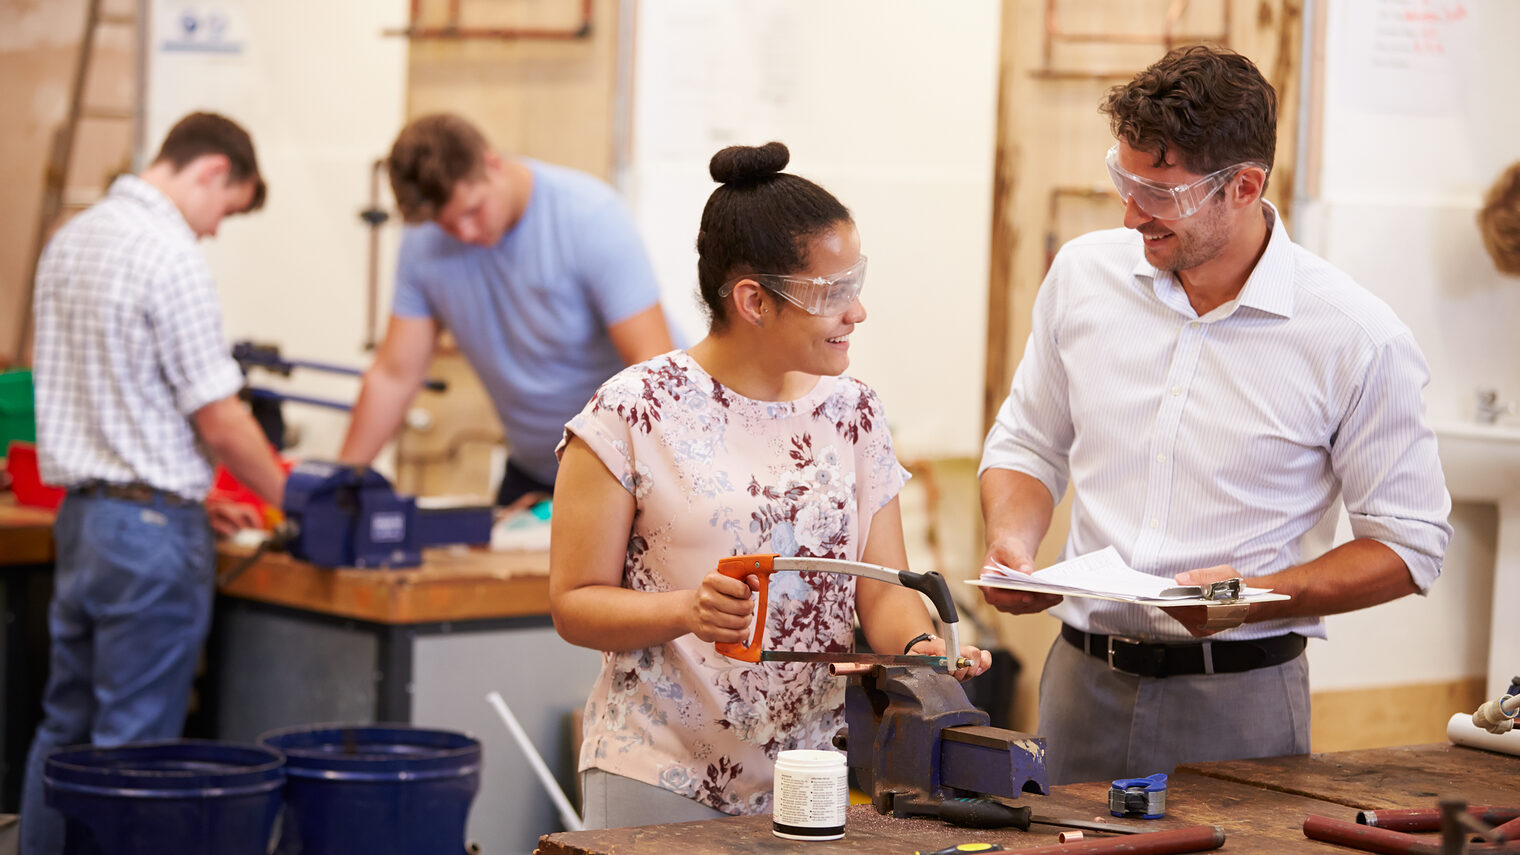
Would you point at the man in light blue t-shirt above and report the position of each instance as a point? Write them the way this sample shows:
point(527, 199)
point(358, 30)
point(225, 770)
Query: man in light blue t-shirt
point(537, 271)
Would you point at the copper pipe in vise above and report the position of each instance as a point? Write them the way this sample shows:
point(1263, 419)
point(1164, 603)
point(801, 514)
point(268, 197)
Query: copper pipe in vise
point(1429, 819)
point(849, 669)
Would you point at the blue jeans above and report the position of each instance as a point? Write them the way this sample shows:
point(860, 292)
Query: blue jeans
point(131, 606)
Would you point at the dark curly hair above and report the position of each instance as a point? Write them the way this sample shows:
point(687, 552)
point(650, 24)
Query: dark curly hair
point(1499, 220)
point(759, 221)
point(1211, 107)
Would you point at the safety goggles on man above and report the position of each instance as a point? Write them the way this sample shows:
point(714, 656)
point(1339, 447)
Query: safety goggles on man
point(817, 295)
point(1170, 201)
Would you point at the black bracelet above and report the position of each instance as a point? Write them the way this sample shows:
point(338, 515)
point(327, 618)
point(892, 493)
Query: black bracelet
point(922, 636)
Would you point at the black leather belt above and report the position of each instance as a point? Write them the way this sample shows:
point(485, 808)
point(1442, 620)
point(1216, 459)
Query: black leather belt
point(144, 494)
point(1142, 659)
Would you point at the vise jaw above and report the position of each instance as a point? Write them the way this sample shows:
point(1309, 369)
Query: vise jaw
point(350, 516)
point(913, 738)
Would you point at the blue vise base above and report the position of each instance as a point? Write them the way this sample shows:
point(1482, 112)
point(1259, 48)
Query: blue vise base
point(914, 739)
point(351, 516)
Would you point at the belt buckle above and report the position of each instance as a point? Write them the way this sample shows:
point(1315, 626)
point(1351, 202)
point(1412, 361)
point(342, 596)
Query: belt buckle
point(1124, 640)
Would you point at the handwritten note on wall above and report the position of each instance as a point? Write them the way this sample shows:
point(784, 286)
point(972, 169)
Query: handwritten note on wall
point(1409, 56)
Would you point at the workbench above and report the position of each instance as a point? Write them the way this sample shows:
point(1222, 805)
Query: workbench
point(26, 586)
point(294, 644)
point(1260, 804)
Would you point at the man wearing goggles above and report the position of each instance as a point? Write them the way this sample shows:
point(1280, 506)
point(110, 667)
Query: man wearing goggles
point(1208, 389)
point(1170, 201)
point(824, 296)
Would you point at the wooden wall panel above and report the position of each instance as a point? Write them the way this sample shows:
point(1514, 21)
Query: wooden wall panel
point(39, 44)
point(1349, 719)
point(554, 100)
point(548, 99)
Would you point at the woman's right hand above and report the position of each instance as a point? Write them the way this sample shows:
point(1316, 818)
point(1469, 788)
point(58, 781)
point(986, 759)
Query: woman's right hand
point(722, 607)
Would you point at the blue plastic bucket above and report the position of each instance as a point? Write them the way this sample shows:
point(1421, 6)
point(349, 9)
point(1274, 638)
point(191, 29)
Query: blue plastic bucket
point(156, 798)
point(375, 789)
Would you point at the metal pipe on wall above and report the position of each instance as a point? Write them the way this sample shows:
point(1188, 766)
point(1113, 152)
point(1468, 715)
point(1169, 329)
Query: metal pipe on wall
point(452, 29)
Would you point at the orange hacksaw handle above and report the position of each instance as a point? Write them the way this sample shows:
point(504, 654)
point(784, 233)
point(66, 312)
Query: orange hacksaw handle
point(737, 567)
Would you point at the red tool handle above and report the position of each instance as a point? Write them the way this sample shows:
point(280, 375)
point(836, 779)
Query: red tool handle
point(737, 567)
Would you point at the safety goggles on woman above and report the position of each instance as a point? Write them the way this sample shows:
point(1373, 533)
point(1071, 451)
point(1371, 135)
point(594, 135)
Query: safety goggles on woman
point(1170, 201)
point(816, 295)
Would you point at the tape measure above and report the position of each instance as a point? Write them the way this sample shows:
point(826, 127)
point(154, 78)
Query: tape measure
point(1138, 798)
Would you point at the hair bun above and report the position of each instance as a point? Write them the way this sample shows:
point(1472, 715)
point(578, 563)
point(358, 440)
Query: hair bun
point(746, 164)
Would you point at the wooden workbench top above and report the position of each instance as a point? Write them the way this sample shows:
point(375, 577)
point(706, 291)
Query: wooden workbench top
point(26, 534)
point(1383, 778)
point(1250, 800)
point(452, 584)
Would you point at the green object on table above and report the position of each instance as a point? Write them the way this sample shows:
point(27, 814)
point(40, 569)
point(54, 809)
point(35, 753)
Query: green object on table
point(18, 418)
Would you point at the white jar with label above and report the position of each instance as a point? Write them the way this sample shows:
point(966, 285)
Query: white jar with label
point(812, 791)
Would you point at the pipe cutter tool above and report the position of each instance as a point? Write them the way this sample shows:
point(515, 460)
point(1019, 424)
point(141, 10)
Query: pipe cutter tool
point(911, 735)
point(1144, 798)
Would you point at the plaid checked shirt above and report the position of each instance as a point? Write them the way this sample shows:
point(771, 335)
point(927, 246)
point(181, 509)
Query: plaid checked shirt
point(128, 345)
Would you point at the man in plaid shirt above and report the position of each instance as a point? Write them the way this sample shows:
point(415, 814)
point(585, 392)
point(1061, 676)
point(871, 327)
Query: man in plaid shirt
point(136, 397)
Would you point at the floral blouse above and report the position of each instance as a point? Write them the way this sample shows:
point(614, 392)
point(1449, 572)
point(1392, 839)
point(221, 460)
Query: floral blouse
point(716, 474)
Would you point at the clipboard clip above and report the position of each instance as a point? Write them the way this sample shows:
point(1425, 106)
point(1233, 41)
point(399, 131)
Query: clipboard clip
point(1227, 591)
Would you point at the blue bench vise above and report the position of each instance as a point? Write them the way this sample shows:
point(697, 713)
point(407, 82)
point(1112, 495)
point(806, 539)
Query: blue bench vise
point(350, 516)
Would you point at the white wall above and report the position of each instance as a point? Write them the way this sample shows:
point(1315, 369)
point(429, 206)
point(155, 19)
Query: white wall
point(891, 106)
point(322, 92)
point(1419, 117)
point(1408, 152)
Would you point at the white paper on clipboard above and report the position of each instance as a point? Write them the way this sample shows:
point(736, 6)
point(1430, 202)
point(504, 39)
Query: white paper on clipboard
point(1103, 575)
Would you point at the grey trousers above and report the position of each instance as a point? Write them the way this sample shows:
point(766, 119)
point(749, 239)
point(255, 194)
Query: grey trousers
point(614, 801)
point(1100, 724)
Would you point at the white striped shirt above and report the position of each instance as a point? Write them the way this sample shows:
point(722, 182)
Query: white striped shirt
point(1191, 442)
point(128, 346)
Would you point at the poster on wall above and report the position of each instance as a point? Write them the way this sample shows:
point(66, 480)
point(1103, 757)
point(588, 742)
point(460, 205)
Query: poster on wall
point(206, 28)
point(1411, 57)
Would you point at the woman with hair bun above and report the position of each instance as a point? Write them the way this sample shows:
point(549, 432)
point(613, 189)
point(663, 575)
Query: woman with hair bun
point(752, 441)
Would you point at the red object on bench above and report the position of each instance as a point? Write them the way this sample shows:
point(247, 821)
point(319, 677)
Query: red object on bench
point(225, 488)
point(26, 479)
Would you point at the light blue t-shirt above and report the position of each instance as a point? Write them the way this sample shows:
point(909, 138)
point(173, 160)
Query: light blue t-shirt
point(531, 313)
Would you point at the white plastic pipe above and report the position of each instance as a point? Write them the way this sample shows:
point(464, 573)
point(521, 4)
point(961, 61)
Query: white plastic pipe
point(1461, 731)
point(567, 814)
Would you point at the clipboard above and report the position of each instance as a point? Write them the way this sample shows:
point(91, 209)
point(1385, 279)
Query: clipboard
point(1103, 575)
point(1247, 597)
